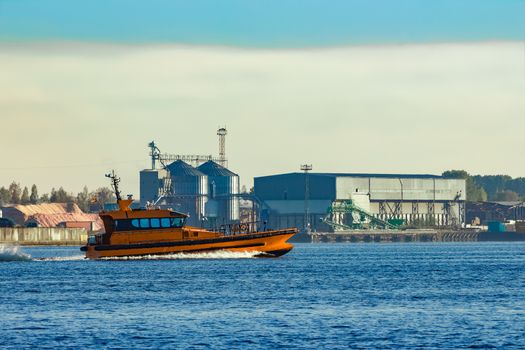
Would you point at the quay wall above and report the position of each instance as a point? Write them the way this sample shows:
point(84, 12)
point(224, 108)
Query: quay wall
point(422, 235)
point(43, 236)
point(410, 235)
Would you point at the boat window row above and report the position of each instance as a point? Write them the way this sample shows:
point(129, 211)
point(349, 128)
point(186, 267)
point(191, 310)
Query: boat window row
point(148, 223)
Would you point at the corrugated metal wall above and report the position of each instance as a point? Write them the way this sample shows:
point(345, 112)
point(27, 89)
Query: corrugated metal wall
point(429, 199)
point(394, 189)
point(149, 185)
point(291, 187)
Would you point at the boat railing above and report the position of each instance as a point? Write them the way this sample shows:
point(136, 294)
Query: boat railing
point(243, 228)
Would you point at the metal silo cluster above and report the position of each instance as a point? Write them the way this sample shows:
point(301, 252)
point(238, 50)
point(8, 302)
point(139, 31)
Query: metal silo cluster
point(223, 190)
point(189, 190)
point(208, 193)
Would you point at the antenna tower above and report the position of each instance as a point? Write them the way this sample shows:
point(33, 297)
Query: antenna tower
point(306, 168)
point(115, 180)
point(222, 132)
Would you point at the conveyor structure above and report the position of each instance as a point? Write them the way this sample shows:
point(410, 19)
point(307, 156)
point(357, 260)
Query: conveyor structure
point(345, 215)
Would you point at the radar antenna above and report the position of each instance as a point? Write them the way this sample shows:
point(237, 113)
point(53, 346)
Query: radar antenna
point(115, 180)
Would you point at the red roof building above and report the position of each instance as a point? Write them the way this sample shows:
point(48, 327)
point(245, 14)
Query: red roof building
point(52, 215)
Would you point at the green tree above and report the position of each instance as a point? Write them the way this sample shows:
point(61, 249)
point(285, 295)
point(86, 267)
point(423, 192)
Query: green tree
point(456, 174)
point(103, 195)
point(479, 195)
point(33, 198)
point(83, 199)
point(16, 192)
point(60, 196)
point(493, 184)
point(44, 198)
point(5, 196)
point(25, 196)
point(506, 196)
point(517, 185)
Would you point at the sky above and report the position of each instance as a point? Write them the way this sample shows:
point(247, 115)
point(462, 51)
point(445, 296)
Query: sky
point(348, 86)
point(270, 23)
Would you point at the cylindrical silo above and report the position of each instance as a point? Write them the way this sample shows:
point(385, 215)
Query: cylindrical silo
point(223, 187)
point(189, 190)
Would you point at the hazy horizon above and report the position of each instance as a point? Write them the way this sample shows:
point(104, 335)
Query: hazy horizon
point(398, 88)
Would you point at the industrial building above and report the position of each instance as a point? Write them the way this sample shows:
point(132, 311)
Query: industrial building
point(67, 215)
point(481, 213)
point(205, 189)
point(223, 193)
point(328, 201)
point(206, 193)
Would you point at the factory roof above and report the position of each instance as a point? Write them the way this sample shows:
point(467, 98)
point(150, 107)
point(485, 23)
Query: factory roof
point(53, 220)
point(387, 176)
point(50, 214)
point(48, 208)
point(211, 168)
point(511, 203)
point(181, 168)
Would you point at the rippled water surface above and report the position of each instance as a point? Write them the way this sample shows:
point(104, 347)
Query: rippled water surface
point(469, 295)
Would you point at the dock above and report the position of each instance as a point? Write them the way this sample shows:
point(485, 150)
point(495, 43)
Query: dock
point(409, 235)
point(423, 235)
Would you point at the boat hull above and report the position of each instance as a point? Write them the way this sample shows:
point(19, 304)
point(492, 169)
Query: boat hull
point(266, 244)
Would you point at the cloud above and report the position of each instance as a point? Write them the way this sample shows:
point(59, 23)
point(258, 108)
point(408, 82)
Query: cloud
point(74, 110)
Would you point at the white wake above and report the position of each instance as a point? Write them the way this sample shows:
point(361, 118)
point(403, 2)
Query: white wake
point(13, 253)
point(217, 254)
point(63, 258)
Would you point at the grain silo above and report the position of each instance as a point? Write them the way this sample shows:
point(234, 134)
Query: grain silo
point(189, 190)
point(223, 191)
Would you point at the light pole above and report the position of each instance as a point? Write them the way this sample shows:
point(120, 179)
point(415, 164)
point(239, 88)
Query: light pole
point(306, 168)
point(401, 206)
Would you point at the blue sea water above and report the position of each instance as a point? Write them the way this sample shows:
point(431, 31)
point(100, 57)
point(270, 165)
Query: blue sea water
point(322, 296)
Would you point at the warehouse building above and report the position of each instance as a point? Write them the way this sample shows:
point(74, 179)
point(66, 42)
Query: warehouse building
point(419, 200)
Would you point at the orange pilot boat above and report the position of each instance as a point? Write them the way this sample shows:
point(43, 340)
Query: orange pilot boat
point(140, 232)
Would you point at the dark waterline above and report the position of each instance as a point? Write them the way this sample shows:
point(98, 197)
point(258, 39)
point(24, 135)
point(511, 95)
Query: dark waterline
point(448, 295)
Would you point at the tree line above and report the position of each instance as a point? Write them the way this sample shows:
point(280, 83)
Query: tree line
point(15, 194)
point(496, 188)
point(480, 188)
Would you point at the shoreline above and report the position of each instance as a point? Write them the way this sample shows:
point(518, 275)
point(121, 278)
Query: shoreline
point(407, 236)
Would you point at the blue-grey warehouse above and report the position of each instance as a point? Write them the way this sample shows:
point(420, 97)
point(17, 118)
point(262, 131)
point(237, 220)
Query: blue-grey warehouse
point(415, 199)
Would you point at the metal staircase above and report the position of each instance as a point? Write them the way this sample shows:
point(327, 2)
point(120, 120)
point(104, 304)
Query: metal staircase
point(355, 217)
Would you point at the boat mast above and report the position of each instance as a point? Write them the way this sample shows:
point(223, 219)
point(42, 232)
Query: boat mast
point(114, 183)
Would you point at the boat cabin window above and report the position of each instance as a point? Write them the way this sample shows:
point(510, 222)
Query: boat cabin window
point(165, 222)
point(144, 223)
point(147, 223)
point(155, 223)
point(177, 222)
